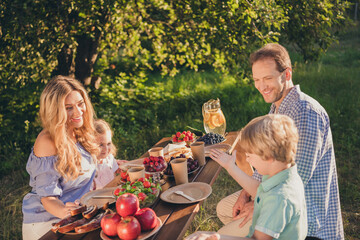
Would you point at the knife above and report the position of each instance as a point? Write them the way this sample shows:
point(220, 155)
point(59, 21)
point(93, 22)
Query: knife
point(102, 196)
point(235, 142)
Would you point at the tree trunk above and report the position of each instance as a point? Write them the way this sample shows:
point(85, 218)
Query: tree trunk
point(86, 55)
point(66, 64)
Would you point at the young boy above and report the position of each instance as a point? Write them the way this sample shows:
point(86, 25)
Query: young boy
point(280, 209)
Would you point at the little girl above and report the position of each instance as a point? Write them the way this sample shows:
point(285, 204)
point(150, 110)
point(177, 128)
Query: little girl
point(106, 163)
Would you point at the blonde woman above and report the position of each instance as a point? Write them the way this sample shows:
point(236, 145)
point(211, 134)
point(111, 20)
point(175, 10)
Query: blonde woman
point(61, 164)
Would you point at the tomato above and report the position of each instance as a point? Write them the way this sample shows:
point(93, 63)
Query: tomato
point(128, 228)
point(142, 196)
point(147, 184)
point(116, 192)
point(154, 191)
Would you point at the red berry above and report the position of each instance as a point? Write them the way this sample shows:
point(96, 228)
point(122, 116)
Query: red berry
point(123, 175)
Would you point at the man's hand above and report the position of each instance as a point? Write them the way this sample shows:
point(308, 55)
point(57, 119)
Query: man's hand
point(223, 159)
point(243, 208)
point(202, 235)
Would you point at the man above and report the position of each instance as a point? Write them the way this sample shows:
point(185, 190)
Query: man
point(272, 74)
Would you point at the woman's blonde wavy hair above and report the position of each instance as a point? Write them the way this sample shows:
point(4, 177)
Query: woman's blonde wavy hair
point(271, 136)
point(53, 117)
point(101, 126)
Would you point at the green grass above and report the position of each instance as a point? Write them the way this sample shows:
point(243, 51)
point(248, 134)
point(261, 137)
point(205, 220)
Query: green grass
point(176, 103)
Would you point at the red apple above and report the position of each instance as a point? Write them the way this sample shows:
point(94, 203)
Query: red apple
point(127, 204)
point(147, 219)
point(109, 224)
point(128, 228)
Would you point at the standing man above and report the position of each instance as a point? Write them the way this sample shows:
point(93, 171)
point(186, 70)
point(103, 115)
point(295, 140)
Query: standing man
point(272, 74)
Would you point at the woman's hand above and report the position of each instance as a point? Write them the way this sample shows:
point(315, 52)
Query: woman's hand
point(225, 160)
point(57, 208)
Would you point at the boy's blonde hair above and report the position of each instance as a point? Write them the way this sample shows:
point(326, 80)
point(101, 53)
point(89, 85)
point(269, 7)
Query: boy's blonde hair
point(271, 136)
point(101, 126)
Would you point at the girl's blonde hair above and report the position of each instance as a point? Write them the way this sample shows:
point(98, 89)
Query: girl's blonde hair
point(271, 136)
point(101, 126)
point(53, 117)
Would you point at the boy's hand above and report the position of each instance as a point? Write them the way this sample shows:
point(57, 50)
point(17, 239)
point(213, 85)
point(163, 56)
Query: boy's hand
point(246, 213)
point(225, 160)
point(243, 208)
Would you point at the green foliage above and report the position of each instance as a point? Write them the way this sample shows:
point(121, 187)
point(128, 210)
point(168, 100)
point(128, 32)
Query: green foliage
point(132, 38)
point(141, 110)
point(312, 24)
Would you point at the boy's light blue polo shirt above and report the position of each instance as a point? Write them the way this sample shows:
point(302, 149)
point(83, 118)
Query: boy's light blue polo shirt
point(280, 206)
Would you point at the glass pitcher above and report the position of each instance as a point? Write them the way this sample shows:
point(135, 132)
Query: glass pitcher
point(214, 119)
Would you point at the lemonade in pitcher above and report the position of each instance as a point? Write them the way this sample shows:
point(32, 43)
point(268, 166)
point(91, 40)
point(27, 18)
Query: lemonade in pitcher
point(214, 119)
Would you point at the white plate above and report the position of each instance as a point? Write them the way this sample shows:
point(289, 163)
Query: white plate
point(197, 190)
point(88, 199)
point(143, 235)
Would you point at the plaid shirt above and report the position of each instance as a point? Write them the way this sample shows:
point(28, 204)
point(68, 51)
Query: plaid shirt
point(316, 164)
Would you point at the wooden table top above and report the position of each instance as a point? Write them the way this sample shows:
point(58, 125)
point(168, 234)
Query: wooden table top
point(176, 218)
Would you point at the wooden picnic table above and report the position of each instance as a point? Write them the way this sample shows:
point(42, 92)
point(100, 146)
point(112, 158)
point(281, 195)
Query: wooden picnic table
point(176, 218)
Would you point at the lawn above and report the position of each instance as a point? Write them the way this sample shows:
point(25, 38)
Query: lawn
point(333, 81)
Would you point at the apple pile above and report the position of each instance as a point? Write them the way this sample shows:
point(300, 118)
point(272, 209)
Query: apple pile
point(187, 136)
point(129, 220)
point(154, 164)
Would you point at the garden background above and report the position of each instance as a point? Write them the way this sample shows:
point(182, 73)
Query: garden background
point(150, 65)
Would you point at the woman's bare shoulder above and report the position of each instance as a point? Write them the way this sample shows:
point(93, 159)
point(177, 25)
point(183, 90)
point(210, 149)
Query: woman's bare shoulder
point(44, 145)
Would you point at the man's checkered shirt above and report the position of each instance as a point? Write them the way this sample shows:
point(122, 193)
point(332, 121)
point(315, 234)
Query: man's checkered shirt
point(316, 163)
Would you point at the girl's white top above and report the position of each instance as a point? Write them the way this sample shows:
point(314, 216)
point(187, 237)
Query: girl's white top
point(105, 170)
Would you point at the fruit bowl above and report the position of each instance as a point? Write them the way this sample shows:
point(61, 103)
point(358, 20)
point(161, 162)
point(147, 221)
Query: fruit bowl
point(180, 137)
point(154, 164)
point(211, 138)
point(193, 166)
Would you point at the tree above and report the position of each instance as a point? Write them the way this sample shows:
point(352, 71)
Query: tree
point(87, 39)
point(67, 36)
point(311, 24)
